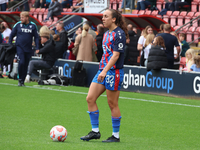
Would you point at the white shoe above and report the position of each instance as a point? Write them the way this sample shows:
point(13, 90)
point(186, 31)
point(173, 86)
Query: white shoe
point(28, 77)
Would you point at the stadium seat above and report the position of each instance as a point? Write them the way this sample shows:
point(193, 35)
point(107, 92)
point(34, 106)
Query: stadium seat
point(154, 13)
point(159, 4)
point(181, 17)
point(135, 12)
point(195, 22)
point(173, 18)
point(196, 34)
point(189, 17)
point(141, 12)
point(175, 28)
point(64, 9)
point(194, 5)
point(114, 5)
point(69, 10)
point(167, 16)
point(36, 12)
point(147, 12)
point(31, 11)
point(190, 34)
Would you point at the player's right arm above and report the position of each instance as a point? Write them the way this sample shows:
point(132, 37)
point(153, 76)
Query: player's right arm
point(13, 33)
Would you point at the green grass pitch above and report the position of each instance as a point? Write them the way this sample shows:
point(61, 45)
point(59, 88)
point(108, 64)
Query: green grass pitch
point(149, 122)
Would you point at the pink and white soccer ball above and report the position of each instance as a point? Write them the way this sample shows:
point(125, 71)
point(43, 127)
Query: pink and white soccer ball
point(58, 133)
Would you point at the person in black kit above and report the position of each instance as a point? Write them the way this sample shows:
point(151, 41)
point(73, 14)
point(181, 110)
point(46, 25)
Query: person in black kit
point(63, 34)
point(59, 46)
point(25, 30)
point(131, 52)
point(175, 5)
point(170, 42)
point(48, 55)
point(99, 38)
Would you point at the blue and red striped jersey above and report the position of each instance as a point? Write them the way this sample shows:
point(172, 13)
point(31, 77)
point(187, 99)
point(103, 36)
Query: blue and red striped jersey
point(114, 41)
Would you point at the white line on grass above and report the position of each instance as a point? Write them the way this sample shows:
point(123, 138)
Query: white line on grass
point(136, 99)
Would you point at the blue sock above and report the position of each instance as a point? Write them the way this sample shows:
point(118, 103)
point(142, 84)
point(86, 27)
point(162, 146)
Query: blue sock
point(94, 118)
point(116, 125)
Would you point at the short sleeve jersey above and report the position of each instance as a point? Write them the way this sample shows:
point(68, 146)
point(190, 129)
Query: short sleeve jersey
point(113, 41)
point(194, 68)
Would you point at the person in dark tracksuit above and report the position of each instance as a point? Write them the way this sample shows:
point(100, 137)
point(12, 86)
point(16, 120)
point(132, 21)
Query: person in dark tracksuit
point(25, 30)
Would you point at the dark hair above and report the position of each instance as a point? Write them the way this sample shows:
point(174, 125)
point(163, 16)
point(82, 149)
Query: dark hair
point(197, 61)
point(89, 23)
point(120, 21)
point(183, 35)
point(101, 29)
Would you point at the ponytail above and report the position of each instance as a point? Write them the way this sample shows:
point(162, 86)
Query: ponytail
point(120, 21)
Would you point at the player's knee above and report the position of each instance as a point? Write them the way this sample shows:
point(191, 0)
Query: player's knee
point(89, 99)
point(112, 104)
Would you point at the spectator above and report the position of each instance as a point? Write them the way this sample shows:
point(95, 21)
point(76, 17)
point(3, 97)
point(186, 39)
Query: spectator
point(3, 5)
point(55, 9)
point(190, 53)
point(48, 55)
point(66, 3)
point(14, 2)
point(99, 39)
point(143, 4)
point(25, 30)
point(157, 58)
point(71, 55)
point(147, 46)
point(135, 30)
point(92, 32)
point(131, 52)
point(6, 31)
point(52, 32)
point(176, 61)
point(85, 46)
point(170, 42)
point(79, 4)
point(161, 28)
point(196, 66)
point(128, 4)
point(175, 5)
point(63, 34)
point(59, 46)
point(78, 31)
point(40, 3)
point(185, 45)
point(142, 39)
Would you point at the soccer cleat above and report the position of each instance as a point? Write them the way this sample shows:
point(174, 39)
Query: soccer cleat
point(112, 139)
point(91, 135)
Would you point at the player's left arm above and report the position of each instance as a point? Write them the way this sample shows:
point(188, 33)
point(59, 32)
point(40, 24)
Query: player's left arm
point(36, 38)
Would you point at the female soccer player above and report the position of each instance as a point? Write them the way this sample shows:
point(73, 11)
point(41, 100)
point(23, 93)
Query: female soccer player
point(110, 75)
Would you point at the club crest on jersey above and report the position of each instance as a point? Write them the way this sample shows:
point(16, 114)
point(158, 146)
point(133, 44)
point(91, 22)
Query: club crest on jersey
point(30, 26)
point(120, 46)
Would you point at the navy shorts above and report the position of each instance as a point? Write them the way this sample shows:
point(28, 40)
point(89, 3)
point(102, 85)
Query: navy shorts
point(112, 80)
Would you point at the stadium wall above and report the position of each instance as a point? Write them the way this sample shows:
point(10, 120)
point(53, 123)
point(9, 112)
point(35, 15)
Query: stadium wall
point(137, 79)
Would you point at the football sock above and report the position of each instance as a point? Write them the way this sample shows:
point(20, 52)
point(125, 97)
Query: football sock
point(94, 118)
point(116, 125)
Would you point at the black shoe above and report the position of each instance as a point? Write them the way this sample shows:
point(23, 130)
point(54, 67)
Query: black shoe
point(20, 83)
point(91, 135)
point(112, 139)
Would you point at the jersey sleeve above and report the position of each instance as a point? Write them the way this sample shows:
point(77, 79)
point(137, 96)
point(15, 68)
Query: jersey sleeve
point(192, 67)
point(13, 33)
point(120, 41)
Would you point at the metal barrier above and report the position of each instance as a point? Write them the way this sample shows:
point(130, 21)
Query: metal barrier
point(17, 5)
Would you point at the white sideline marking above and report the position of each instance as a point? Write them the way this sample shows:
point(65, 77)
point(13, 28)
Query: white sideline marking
point(128, 98)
